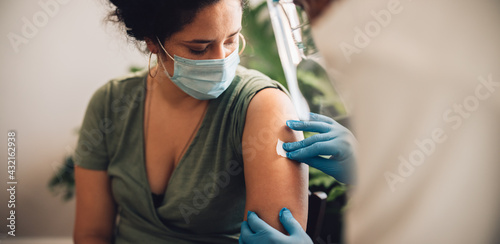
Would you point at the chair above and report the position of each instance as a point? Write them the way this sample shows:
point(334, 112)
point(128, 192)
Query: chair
point(317, 206)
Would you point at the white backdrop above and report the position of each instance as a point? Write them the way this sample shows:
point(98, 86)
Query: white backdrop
point(54, 55)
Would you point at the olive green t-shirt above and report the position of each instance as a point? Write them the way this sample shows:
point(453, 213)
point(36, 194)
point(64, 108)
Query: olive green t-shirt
point(205, 198)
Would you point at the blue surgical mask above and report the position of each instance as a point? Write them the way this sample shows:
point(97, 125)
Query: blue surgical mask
point(203, 79)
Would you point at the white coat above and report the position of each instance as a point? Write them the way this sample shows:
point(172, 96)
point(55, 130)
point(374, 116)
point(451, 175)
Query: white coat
point(422, 81)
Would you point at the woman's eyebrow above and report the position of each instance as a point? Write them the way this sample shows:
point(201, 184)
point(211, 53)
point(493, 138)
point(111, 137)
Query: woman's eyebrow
point(201, 41)
point(236, 32)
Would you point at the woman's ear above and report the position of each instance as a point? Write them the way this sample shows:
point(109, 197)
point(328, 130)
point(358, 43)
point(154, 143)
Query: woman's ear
point(152, 45)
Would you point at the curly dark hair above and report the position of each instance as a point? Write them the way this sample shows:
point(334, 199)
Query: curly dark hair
point(162, 18)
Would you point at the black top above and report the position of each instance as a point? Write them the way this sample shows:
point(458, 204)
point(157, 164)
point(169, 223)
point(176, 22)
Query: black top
point(157, 199)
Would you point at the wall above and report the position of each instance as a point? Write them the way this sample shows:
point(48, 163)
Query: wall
point(54, 55)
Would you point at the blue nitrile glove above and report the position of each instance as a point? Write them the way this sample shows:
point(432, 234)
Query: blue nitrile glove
point(333, 139)
point(256, 231)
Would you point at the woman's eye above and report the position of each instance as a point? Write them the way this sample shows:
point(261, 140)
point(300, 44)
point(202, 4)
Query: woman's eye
point(198, 52)
point(231, 41)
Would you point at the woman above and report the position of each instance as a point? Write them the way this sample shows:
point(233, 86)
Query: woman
point(180, 152)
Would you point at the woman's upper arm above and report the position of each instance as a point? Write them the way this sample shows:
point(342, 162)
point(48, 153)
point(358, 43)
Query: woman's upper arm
point(272, 181)
point(95, 207)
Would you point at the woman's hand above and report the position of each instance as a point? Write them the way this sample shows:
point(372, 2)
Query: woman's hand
point(333, 140)
point(255, 230)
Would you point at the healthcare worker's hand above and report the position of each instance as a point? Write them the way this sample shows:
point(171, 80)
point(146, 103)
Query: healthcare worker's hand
point(256, 231)
point(333, 139)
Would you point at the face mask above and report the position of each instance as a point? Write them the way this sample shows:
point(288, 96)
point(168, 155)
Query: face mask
point(203, 79)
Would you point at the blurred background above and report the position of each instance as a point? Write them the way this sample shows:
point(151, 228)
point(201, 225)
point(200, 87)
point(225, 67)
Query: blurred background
point(55, 54)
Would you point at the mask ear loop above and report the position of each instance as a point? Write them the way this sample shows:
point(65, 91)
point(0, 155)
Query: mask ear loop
point(244, 42)
point(161, 45)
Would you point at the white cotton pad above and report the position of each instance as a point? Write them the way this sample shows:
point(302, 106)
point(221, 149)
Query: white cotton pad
point(279, 149)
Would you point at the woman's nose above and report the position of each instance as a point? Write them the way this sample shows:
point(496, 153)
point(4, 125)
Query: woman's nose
point(219, 52)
